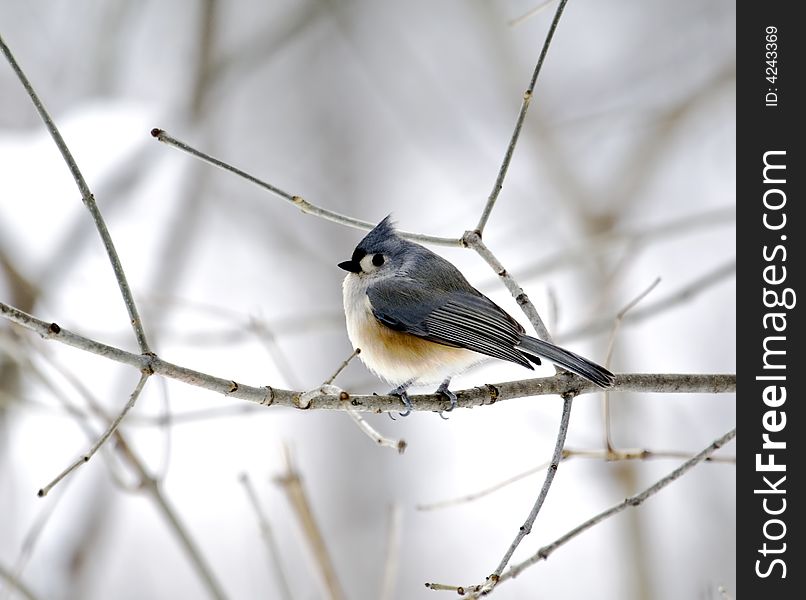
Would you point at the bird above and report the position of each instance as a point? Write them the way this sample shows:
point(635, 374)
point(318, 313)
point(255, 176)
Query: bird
point(417, 320)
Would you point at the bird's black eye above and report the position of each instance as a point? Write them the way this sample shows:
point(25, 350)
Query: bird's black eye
point(377, 260)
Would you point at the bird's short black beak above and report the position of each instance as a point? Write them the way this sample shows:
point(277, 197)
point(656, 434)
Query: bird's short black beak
point(351, 266)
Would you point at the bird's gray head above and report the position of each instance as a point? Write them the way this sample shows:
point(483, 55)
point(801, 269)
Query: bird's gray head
point(381, 252)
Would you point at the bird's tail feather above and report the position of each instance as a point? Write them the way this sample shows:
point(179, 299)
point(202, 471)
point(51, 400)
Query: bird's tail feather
point(567, 360)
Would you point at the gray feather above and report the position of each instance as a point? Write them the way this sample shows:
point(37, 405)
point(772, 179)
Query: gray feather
point(463, 319)
point(567, 360)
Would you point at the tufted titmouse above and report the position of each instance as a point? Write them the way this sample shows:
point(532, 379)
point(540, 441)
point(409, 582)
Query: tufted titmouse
point(416, 319)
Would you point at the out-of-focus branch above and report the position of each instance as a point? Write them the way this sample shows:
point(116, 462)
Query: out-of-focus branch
point(569, 453)
point(527, 98)
point(392, 560)
point(529, 14)
point(487, 394)
point(683, 294)
point(87, 198)
point(145, 481)
point(268, 536)
point(292, 486)
point(639, 236)
point(298, 201)
point(16, 584)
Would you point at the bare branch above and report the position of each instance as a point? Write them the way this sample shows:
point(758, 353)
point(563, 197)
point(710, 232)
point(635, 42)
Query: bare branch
point(527, 98)
point(620, 317)
point(400, 444)
point(292, 486)
point(106, 435)
point(487, 394)
point(632, 501)
point(268, 536)
point(526, 528)
point(87, 198)
point(298, 201)
point(342, 366)
point(392, 560)
point(476, 591)
point(372, 433)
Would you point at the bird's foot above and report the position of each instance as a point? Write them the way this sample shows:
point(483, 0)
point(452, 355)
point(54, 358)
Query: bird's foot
point(401, 393)
point(443, 390)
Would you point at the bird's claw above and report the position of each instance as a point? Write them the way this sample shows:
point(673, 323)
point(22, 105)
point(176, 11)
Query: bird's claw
point(444, 391)
point(404, 397)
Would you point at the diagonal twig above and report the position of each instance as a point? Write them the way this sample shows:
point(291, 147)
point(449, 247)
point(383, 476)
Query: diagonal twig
point(526, 528)
point(298, 201)
point(632, 501)
point(268, 537)
point(292, 486)
point(105, 436)
point(86, 197)
point(527, 98)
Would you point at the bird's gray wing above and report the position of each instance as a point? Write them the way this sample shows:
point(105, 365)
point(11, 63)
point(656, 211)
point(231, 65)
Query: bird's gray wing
point(460, 318)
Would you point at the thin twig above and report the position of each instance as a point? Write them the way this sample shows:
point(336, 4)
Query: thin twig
point(527, 98)
point(372, 433)
point(609, 456)
point(529, 14)
point(632, 501)
point(342, 366)
point(441, 587)
point(297, 201)
point(105, 436)
point(486, 491)
point(400, 444)
point(292, 486)
point(620, 318)
point(392, 554)
point(272, 549)
point(87, 198)
point(526, 528)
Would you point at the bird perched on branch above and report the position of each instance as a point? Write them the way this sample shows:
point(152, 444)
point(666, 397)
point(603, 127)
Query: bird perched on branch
point(417, 320)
